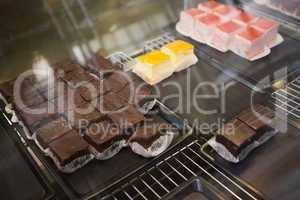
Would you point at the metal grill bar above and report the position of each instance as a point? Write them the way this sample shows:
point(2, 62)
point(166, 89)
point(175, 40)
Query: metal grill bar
point(151, 189)
point(115, 198)
point(279, 96)
point(7, 119)
point(286, 93)
point(212, 177)
point(288, 99)
point(125, 61)
point(286, 103)
point(296, 85)
point(286, 112)
point(158, 42)
point(183, 153)
point(221, 173)
point(160, 184)
point(129, 197)
point(175, 170)
point(168, 177)
point(139, 192)
point(291, 88)
point(185, 167)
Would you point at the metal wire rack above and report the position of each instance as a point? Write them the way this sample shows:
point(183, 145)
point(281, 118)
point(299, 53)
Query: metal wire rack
point(162, 179)
point(158, 42)
point(125, 61)
point(288, 99)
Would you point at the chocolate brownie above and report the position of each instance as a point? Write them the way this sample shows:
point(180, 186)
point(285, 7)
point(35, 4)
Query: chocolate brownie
point(34, 115)
point(24, 100)
point(93, 89)
point(135, 93)
point(81, 120)
point(76, 78)
point(102, 135)
point(28, 100)
point(109, 102)
point(69, 147)
point(53, 90)
point(235, 136)
point(25, 95)
point(68, 100)
point(127, 117)
point(52, 131)
point(98, 64)
point(66, 66)
point(252, 120)
point(145, 135)
point(117, 81)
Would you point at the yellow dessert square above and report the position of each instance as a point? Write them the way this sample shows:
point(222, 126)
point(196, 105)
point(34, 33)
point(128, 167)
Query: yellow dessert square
point(153, 67)
point(181, 53)
point(179, 47)
point(153, 58)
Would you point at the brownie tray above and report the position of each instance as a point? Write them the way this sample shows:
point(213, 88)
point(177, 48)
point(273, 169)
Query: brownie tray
point(96, 176)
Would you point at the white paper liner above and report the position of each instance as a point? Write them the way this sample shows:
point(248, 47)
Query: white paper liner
point(39, 145)
point(216, 47)
point(73, 165)
point(279, 39)
point(158, 146)
point(266, 52)
point(224, 153)
point(109, 152)
point(267, 49)
point(15, 119)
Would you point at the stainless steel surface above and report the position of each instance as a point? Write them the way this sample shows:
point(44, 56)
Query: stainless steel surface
point(161, 180)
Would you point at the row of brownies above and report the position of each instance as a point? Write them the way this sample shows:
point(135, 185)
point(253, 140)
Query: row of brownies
point(225, 27)
point(76, 114)
point(248, 130)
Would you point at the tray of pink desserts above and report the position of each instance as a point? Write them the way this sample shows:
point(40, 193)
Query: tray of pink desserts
point(227, 28)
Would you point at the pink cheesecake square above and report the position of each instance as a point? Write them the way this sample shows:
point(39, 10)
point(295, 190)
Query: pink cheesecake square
point(244, 18)
point(205, 25)
point(187, 19)
point(209, 6)
point(229, 27)
point(268, 27)
point(227, 12)
point(223, 35)
point(249, 42)
point(193, 12)
point(251, 34)
point(210, 19)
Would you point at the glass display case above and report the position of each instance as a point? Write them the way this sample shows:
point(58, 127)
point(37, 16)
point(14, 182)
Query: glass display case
point(122, 31)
